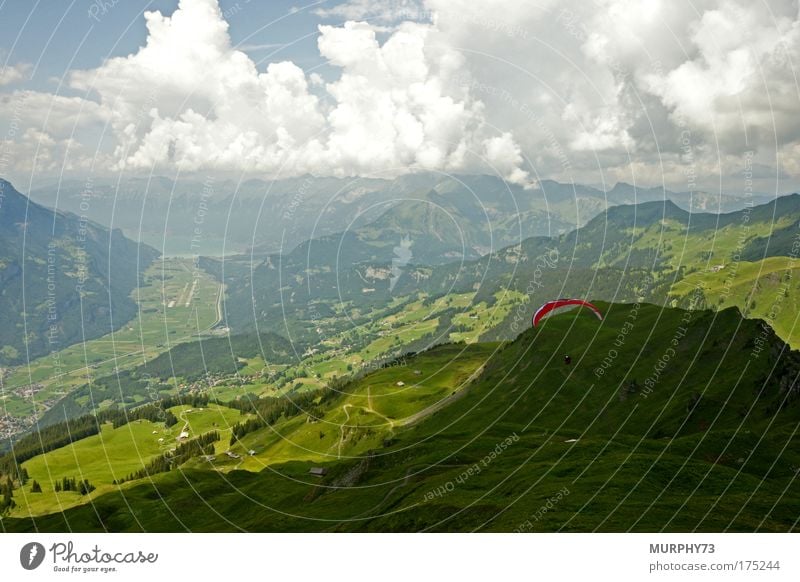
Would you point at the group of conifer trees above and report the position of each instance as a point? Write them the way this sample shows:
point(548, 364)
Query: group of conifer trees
point(269, 410)
point(202, 445)
point(71, 484)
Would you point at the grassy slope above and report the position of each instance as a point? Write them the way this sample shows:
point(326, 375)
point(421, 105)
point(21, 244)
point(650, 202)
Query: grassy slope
point(704, 450)
point(369, 411)
point(362, 418)
point(765, 289)
point(113, 454)
point(681, 246)
point(653, 252)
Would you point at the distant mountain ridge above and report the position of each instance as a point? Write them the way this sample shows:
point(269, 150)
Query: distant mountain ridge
point(275, 216)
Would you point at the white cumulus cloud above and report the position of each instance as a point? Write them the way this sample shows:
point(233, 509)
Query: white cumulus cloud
point(13, 73)
point(189, 98)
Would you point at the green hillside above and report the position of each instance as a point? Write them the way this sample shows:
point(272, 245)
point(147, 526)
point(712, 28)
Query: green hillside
point(626, 253)
point(767, 289)
point(332, 324)
point(115, 453)
point(654, 252)
point(666, 419)
point(56, 273)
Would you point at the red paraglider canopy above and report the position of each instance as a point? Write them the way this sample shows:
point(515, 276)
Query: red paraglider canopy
point(558, 303)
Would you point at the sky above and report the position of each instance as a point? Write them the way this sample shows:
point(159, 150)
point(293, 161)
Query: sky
point(700, 95)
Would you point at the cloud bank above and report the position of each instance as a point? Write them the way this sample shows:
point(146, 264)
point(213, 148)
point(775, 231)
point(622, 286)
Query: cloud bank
point(591, 91)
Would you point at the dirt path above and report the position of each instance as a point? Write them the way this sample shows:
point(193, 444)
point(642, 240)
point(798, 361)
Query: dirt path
point(409, 420)
point(437, 406)
point(368, 409)
point(341, 429)
point(371, 410)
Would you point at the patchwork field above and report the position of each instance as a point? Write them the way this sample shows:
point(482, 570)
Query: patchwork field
point(176, 303)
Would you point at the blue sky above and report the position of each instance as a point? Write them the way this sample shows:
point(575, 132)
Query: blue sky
point(58, 36)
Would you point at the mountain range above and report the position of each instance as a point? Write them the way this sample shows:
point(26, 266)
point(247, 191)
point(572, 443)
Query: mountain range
point(627, 253)
point(208, 216)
